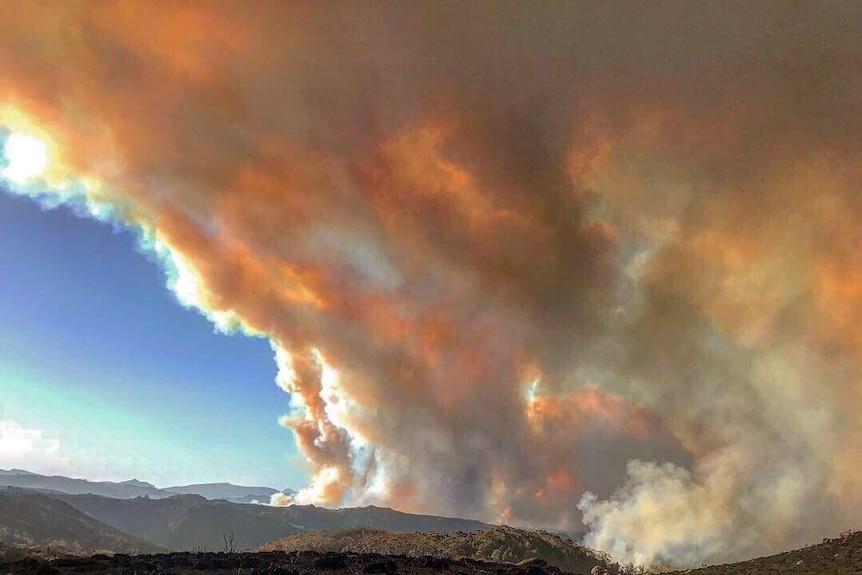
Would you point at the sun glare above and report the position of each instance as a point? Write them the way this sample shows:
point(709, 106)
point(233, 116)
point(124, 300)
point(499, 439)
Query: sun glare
point(27, 157)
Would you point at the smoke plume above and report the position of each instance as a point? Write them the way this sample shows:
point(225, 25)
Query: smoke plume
point(540, 263)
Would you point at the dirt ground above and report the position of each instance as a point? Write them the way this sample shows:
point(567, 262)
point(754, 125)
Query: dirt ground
point(269, 563)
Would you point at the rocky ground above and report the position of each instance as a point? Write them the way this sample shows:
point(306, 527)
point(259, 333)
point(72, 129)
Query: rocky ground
point(839, 556)
point(271, 563)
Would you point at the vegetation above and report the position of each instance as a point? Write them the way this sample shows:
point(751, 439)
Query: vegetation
point(499, 544)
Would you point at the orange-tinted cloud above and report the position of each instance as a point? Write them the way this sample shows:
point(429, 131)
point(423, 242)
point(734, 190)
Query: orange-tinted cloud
point(429, 209)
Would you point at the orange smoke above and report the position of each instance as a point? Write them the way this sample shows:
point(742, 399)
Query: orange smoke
point(425, 209)
point(590, 407)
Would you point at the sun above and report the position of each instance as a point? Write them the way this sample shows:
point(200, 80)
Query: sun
point(27, 158)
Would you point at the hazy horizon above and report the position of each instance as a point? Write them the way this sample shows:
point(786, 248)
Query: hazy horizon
point(141, 480)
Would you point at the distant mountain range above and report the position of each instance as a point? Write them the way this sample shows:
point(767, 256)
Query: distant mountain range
point(228, 492)
point(15, 472)
point(198, 517)
point(133, 488)
point(186, 522)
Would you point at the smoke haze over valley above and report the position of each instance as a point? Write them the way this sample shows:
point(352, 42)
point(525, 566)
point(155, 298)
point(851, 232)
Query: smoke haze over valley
point(588, 266)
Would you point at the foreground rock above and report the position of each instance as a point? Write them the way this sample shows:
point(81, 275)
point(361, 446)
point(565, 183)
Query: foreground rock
point(272, 563)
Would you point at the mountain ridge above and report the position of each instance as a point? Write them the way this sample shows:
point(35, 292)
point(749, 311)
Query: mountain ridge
point(228, 491)
point(187, 522)
point(131, 488)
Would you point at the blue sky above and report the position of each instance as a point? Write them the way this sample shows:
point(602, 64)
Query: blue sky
point(120, 380)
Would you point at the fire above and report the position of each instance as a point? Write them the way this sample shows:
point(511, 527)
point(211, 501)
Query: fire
point(558, 485)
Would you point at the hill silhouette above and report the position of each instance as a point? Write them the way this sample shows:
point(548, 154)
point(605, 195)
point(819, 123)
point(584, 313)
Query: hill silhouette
point(836, 556)
point(33, 520)
point(187, 522)
point(61, 484)
point(132, 488)
point(498, 544)
point(227, 491)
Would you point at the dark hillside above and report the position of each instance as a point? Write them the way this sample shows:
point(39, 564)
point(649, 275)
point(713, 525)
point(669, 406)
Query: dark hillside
point(188, 522)
point(31, 519)
point(839, 556)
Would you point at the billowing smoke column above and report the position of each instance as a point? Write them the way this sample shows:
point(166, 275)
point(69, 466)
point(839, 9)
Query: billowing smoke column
point(540, 263)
